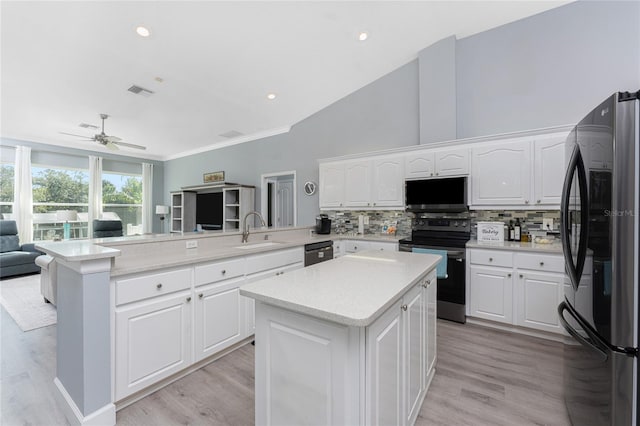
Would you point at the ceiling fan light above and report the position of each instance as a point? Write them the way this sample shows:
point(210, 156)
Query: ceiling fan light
point(143, 31)
point(271, 96)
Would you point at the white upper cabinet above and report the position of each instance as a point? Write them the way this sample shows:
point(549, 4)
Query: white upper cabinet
point(501, 174)
point(366, 184)
point(523, 173)
point(331, 192)
point(549, 170)
point(430, 163)
point(357, 183)
point(388, 182)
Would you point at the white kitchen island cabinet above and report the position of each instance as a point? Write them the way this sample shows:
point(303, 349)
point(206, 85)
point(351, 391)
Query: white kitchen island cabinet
point(345, 342)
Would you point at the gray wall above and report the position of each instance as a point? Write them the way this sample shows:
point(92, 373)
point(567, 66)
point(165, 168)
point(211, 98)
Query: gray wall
point(381, 115)
point(78, 158)
point(547, 70)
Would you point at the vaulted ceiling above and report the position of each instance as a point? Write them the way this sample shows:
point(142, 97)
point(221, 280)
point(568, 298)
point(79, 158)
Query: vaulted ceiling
point(209, 65)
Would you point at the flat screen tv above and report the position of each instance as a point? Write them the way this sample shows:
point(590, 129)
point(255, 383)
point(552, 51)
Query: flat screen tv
point(209, 210)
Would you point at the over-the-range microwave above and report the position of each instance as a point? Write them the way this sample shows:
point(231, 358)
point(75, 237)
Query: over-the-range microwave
point(436, 195)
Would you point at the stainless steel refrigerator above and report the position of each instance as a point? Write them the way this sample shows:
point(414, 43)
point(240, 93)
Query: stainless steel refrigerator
point(600, 232)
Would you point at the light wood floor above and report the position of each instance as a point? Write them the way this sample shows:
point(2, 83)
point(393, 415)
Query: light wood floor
point(484, 377)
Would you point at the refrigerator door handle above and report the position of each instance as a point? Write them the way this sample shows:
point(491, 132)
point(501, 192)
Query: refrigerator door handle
point(592, 341)
point(574, 271)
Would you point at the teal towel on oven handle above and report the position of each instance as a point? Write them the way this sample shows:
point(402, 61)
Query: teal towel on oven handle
point(441, 269)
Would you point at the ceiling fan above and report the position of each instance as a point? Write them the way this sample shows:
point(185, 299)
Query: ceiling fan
point(102, 138)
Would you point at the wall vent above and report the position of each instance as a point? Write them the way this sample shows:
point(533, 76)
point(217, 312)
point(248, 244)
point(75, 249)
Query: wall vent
point(231, 134)
point(88, 126)
point(140, 91)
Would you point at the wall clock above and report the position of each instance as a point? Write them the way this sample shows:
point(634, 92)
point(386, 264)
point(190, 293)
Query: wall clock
point(310, 188)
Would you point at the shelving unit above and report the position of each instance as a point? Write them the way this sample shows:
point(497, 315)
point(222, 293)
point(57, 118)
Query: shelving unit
point(238, 201)
point(183, 211)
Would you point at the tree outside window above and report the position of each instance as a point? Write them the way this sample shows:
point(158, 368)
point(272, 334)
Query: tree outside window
point(6, 188)
point(122, 197)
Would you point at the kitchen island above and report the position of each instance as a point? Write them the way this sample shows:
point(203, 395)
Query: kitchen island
point(350, 341)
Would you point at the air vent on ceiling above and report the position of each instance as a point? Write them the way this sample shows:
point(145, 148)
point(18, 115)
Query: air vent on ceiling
point(231, 134)
point(140, 91)
point(88, 126)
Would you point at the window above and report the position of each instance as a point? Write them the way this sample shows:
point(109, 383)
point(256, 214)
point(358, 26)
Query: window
point(59, 189)
point(7, 177)
point(122, 199)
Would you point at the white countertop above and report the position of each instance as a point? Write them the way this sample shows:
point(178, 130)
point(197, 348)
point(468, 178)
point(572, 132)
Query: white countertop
point(555, 247)
point(76, 250)
point(351, 290)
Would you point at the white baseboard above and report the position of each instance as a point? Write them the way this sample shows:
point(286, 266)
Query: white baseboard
point(521, 330)
point(101, 417)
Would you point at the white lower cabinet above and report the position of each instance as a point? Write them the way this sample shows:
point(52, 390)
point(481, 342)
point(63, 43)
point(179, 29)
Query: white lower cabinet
point(491, 293)
point(538, 297)
point(153, 341)
point(219, 317)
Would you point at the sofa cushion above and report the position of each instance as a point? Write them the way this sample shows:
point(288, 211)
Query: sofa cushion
point(14, 258)
point(9, 243)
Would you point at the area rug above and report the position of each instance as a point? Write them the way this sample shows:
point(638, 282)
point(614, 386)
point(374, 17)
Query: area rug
point(22, 299)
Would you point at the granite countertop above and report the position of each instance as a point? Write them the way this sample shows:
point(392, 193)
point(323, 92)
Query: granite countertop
point(352, 290)
point(555, 247)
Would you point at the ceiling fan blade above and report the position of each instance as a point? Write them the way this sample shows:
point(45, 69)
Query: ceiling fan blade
point(130, 145)
point(112, 139)
point(89, 138)
point(111, 146)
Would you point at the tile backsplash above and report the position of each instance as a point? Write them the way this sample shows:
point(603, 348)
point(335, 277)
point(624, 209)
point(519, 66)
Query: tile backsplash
point(347, 221)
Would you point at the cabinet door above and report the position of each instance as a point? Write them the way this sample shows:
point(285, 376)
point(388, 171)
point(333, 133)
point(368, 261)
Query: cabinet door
point(388, 182)
point(549, 170)
point(501, 174)
point(414, 356)
point(431, 318)
point(377, 245)
point(384, 369)
point(491, 293)
point(153, 341)
point(331, 191)
point(452, 163)
point(219, 317)
point(357, 183)
point(419, 164)
point(537, 298)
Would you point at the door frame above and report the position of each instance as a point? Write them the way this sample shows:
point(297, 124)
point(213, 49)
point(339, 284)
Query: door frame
point(264, 194)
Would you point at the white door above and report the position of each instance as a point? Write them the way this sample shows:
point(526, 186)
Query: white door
point(388, 182)
point(414, 356)
point(153, 341)
point(538, 296)
point(501, 174)
point(419, 164)
point(331, 188)
point(385, 369)
point(219, 317)
point(549, 170)
point(284, 203)
point(452, 163)
point(491, 294)
point(357, 183)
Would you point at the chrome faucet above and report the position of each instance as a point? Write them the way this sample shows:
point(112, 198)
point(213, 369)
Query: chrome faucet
point(245, 225)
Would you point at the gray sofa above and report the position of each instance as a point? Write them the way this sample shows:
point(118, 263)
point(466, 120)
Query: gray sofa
point(15, 259)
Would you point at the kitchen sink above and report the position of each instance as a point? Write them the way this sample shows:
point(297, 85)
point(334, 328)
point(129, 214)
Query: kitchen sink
point(257, 245)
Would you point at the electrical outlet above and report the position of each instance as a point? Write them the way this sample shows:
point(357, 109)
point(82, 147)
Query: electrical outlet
point(547, 224)
point(192, 244)
point(366, 219)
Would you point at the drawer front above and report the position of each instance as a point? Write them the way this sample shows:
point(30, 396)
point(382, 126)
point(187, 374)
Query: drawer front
point(491, 258)
point(384, 246)
point(540, 262)
point(214, 272)
point(262, 262)
point(356, 246)
point(139, 288)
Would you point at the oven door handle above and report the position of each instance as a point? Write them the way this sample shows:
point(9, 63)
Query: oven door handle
point(457, 255)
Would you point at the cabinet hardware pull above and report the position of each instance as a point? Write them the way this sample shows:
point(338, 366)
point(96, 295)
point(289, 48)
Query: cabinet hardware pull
point(201, 295)
point(404, 307)
point(541, 263)
point(224, 271)
point(491, 259)
point(538, 201)
point(425, 285)
point(437, 173)
point(189, 299)
point(526, 201)
point(428, 282)
point(431, 174)
point(509, 275)
point(159, 286)
point(521, 275)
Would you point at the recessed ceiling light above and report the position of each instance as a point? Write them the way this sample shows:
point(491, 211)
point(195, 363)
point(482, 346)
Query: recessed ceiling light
point(271, 96)
point(143, 31)
point(363, 36)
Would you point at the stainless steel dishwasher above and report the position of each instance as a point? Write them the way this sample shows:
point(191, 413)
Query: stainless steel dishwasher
point(318, 252)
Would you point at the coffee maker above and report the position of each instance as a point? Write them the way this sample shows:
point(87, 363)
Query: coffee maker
point(323, 224)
